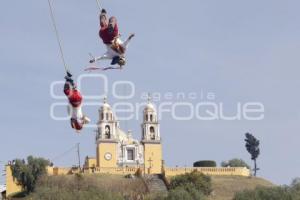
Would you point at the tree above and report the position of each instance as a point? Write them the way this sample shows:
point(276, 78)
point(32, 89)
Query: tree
point(205, 163)
point(252, 146)
point(295, 181)
point(235, 163)
point(28, 173)
point(296, 184)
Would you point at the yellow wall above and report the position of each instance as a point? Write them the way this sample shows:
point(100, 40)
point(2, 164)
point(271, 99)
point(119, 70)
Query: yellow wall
point(104, 148)
point(90, 163)
point(153, 152)
point(11, 184)
point(212, 171)
point(61, 171)
point(50, 171)
point(174, 171)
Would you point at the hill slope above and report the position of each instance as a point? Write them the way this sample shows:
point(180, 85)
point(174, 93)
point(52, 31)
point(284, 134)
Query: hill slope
point(224, 187)
point(111, 187)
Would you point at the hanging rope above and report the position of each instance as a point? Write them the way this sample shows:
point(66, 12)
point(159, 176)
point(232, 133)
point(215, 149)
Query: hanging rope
point(98, 4)
point(57, 36)
point(64, 153)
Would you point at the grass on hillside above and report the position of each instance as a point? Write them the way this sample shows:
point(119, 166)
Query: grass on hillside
point(224, 187)
point(88, 187)
point(114, 187)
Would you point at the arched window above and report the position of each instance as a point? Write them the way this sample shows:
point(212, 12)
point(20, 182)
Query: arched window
point(151, 118)
point(107, 132)
point(152, 133)
point(146, 117)
point(152, 129)
point(102, 116)
point(106, 116)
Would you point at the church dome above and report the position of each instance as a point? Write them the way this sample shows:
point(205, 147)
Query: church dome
point(105, 105)
point(149, 108)
point(106, 112)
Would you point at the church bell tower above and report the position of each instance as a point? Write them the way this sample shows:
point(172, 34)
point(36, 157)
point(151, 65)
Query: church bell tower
point(151, 140)
point(106, 137)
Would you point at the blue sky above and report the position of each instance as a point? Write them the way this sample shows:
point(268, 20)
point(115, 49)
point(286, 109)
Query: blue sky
point(240, 50)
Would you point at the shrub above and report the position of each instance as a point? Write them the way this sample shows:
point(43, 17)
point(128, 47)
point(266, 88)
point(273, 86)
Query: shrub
point(205, 163)
point(179, 194)
point(194, 193)
point(199, 181)
point(235, 163)
point(182, 193)
point(295, 187)
point(296, 184)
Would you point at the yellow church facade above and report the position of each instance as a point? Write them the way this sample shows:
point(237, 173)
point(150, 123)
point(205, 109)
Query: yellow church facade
point(118, 151)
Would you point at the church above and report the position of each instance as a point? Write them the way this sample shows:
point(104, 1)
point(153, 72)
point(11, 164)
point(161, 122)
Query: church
point(117, 149)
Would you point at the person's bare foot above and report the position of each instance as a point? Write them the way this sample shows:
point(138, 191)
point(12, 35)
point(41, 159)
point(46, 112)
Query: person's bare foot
point(85, 119)
point(103, 11)
point(131, 36)
point(92, 60)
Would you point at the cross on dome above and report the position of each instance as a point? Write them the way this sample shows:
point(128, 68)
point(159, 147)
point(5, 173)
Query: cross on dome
point(149, 98)
point(105, 99)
